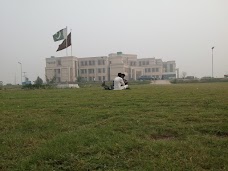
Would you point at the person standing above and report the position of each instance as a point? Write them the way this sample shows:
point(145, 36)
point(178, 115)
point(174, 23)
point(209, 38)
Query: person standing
point(119, 83)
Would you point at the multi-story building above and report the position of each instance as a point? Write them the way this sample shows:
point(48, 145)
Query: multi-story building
point(62, 69)
point(105, 68)
point(93, 68)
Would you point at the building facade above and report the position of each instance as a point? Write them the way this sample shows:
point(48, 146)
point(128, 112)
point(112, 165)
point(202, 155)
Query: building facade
point(105, 68)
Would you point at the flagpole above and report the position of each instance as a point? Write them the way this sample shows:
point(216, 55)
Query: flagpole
point(66, 41)
point(71, 41)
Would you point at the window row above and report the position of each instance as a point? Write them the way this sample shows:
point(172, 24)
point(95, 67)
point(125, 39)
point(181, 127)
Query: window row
point(168, 68)
point(101, 70)
point(143, 63)
point(92, 71)
point(84, 71)
point(101, 62)
point(151, 69)
point(133, 63)
point(101, 78)
point(86, 63)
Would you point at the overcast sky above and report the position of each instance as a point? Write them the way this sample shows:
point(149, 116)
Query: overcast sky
point(180, 30)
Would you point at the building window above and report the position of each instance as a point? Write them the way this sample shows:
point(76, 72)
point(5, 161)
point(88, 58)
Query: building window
point(165, 67)
point(83, 71)
point(157, 69)
point(147, 69)
point(53, 62)
point(140, 63)
point(101, 70)
point(59, 62)
point(82, 63)
point(103, 78)
point(153, 69)
point(147, 62)
point(91, 71)
point(91, 62)
point(99, 78)
point(85, 63)
point(143, 62)
point(171, 67)
point(157, 62)
point(57, 72)
point(133, 63)
point(101, 62)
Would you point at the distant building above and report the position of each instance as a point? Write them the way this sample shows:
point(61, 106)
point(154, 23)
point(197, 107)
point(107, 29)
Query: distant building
point(105, 68)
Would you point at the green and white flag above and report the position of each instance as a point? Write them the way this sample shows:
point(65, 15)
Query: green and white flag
point(60, 35)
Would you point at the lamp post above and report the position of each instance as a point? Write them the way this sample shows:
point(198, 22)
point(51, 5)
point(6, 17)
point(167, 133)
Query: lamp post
point(212, 62)
point(21, 71)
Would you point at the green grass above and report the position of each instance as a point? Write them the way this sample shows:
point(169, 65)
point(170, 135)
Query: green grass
point(150, 127)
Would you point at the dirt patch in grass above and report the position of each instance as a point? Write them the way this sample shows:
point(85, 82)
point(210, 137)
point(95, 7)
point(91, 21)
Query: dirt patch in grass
point(222, 134)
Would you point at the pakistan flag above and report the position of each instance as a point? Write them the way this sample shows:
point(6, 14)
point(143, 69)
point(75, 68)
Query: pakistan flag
point(60, 35)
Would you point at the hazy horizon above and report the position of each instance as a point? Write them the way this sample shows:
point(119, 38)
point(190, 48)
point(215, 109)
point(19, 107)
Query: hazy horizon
point(180, 30)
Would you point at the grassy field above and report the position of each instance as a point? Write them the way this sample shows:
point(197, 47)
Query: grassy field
point(150, 127)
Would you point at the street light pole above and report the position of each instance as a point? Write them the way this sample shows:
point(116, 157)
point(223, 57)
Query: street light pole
point(21, 71)
point(212, 62)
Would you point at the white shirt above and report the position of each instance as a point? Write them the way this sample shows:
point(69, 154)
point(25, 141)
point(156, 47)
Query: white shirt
point(118, 83)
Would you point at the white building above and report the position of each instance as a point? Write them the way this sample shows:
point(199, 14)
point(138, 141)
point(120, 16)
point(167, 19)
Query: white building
point(105, 68)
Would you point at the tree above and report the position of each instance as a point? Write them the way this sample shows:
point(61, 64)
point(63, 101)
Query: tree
point(38, 81)
point(79, 79)
point(53, 80)
point(184, 74)
point(47, 80)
